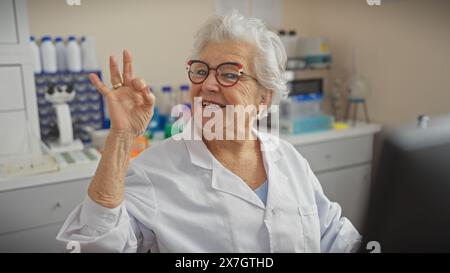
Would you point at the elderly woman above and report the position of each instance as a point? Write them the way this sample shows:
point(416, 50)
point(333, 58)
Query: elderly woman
point(202, 194)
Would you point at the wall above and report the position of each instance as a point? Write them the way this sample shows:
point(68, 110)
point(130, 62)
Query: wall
point(403, 43)
point(159, 33)
point(404, 50)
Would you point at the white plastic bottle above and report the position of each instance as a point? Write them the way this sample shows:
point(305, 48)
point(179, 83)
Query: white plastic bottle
point(89, 55)
point(284, 40)
point(184, 95)
point(36, 54)
point(73, 55)
point(83, 50)
point(48, 55)
point(82, 47)
point(292, 40)
point(167, 100)
point(61, 59)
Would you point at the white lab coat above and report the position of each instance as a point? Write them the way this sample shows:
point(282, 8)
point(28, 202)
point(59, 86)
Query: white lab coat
point(179, 198)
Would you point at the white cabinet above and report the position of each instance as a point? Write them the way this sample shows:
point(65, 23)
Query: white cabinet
point(13, 139)
point(33, 208)
point(342, 162)
point(8, 27)
point(349, 187)
point(338, 153)
point(38, 206)
point(34, 240)
point(11, 88)
point(17, 89)
point(31, 217)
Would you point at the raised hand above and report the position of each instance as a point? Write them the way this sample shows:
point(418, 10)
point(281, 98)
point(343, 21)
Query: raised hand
point(131, 103)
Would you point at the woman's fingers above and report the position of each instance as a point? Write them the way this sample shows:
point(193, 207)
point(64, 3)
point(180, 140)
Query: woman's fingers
point(127, 68)
point(140, 86)
point(101, 87)
point(149, 98)
point(114, 71)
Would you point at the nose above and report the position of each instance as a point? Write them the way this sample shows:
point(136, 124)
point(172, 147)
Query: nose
point(210, 84)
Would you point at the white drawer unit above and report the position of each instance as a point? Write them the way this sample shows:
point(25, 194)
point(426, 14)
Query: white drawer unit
point(11, 89)
point(13, 135)
point(342, 161)
point(33, 208)
point(338, 153)
point(34, 240)
point(38, 206)
point(350, 188)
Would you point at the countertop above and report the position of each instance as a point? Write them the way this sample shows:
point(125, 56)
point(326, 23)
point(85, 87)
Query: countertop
point(359, 129)
point(85, 171)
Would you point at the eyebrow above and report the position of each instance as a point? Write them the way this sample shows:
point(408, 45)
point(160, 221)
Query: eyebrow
point(236, 58)
point(229, 61)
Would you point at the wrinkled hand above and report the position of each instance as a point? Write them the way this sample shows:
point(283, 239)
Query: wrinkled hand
point(131, 105)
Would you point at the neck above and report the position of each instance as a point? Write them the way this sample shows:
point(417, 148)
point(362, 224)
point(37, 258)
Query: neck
point(232, 148)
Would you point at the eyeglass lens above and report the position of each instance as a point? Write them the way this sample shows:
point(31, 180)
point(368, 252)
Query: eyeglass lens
point(226, 74)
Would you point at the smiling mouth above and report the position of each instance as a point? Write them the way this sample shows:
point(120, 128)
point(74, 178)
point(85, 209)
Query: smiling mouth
point(211, 103)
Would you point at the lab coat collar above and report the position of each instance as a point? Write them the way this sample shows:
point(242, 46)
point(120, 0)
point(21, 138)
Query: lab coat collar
point(198, 152)
point(224, 180)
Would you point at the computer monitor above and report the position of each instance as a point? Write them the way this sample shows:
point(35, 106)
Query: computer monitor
point(409, 207)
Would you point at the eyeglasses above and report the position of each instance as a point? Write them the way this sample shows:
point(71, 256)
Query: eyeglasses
point(227, 74)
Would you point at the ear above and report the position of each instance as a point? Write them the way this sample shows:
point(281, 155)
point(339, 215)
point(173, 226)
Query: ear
point(264, 104)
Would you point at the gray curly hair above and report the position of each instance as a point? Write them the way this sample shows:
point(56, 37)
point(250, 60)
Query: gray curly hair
point(270, 59)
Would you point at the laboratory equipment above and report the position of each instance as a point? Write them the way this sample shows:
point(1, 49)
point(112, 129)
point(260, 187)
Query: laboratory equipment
point(308, 81)
point(303, 114)
point(359, 90)
point(60, 95)
point(289, 40)
point(315, 51)
point(86, 108)
point(336, 99)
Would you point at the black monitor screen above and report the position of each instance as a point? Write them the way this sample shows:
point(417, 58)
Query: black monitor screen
point(409, 208)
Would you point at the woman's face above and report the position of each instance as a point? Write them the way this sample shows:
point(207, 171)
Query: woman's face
point(246, 92)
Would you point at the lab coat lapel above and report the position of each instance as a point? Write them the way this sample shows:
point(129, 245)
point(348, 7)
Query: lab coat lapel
point(198, 152)
point(277, 180)
point(275, 177)
point(221, 179)
point(225, 181)
point(281, 226)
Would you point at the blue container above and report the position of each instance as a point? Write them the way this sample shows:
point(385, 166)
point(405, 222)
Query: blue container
point(308, 124)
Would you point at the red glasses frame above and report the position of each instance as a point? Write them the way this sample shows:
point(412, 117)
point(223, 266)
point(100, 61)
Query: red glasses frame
point(216, 74)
